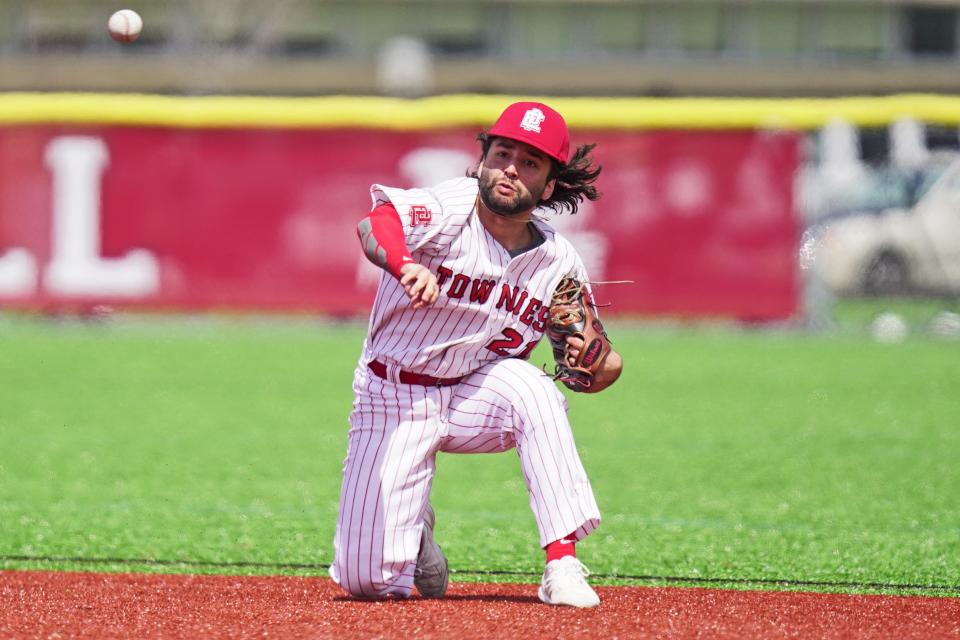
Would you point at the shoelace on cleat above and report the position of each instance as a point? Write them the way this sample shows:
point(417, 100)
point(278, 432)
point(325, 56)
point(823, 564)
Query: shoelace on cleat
point(577, 571)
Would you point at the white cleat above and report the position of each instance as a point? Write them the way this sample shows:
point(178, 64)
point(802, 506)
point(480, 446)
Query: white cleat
point(431, 576)
point(564, 583)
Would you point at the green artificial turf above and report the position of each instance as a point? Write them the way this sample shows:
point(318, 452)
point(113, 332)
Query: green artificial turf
point(723, 458)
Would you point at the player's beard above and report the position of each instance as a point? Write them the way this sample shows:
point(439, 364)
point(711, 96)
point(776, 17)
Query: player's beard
point(521, 200)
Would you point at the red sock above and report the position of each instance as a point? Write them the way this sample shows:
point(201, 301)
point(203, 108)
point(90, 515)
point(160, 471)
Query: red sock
point(560, 548)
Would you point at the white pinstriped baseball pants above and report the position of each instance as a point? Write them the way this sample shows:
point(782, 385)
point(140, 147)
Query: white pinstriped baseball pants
point(396, 431)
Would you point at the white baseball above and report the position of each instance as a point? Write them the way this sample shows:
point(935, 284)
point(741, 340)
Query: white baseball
point(125, 25)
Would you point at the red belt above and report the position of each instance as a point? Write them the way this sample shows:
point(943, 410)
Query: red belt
point(407, 377)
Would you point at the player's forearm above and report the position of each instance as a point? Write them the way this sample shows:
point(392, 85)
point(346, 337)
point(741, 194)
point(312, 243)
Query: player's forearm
point(608, 373)
point(383, 241)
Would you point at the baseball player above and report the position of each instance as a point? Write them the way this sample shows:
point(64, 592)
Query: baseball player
point(469, 271)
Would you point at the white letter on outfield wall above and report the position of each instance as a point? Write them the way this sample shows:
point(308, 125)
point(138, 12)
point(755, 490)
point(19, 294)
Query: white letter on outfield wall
point(18, 273)
point(76, 267)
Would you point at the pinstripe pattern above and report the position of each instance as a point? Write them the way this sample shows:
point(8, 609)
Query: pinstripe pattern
point(396, 431)
point(510, 403)
point(503, 403)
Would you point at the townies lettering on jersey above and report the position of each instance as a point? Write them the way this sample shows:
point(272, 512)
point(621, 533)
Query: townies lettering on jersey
point(511, 298)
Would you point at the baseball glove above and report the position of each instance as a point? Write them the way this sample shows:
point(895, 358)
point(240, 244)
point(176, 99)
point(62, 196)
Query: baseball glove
point(572, 313)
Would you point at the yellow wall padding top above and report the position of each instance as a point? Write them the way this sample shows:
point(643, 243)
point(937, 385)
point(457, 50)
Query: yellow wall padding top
point(205, 112)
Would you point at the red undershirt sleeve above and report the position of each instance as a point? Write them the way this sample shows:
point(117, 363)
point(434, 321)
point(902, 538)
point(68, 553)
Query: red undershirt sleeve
point(383, 241)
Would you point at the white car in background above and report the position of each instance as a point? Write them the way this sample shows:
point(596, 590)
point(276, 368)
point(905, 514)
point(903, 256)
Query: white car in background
point(893, 250)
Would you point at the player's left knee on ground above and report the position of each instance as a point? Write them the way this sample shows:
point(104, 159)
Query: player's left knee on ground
point(368, 580)
point(373, 589)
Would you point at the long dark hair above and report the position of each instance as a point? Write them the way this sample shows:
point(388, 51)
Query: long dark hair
point(574, 179)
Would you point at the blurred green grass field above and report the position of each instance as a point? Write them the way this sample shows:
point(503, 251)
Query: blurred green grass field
point(763, 459)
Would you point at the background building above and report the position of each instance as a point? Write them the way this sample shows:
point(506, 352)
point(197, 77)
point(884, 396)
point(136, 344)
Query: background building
point(560, 47)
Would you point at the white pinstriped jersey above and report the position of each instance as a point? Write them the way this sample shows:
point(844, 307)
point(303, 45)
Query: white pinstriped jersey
point(491, 305)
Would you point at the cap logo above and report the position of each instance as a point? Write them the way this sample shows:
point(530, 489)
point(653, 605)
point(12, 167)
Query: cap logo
point(532, 119)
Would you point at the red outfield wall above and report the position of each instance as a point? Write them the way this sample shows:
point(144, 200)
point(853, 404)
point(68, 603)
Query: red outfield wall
point(703, 222)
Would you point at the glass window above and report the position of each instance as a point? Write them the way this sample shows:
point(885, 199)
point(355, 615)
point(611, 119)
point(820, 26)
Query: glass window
point(699, 27)
point(931, 30)
point(774, 29)
point(618, 27)
point(454, 28)
point(682, 27)
point(539, 29)
point(849, 30)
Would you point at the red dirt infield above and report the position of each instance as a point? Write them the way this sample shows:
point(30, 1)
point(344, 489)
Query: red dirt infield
point(48, 604)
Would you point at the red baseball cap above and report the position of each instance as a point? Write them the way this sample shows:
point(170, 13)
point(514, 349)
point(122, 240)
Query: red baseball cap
point(536, 124)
